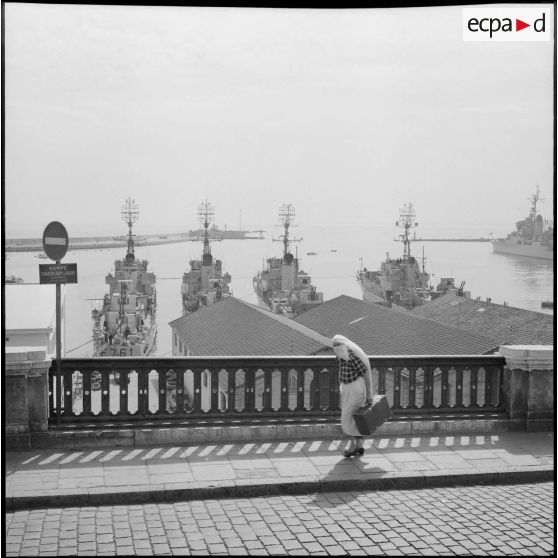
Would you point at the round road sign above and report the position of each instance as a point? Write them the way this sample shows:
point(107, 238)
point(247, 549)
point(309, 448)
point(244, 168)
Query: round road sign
point(55, 240)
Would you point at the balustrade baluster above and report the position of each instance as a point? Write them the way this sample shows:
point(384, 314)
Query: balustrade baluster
point(412, 388)
point(333, 389)
point(179, 392)
point(267, 394)
point(249, 383)
point(381, 380)
point(162, 391)
point(231, 376)
point(284, 390)
point(459, 386)
point(86, 381)
point(105, 395)
point(315, 402)
point(428, 387)
point(123, 390)
point(300, 391)
point(474, 387)
point(444, 396)
point(197, 403)
point(143, 391)
point(214, 384)
point(67, 393)
point(397, 388)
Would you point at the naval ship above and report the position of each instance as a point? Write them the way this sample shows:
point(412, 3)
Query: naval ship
point(125, 324)
point(532, 237)
point(402, 281)
point(282, 286)
point(205, 283)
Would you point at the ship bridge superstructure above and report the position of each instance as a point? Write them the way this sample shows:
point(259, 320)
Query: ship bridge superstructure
point(205, 283)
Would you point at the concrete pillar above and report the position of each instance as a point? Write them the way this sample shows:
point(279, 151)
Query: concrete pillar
point(25, 395)
point(529, 386)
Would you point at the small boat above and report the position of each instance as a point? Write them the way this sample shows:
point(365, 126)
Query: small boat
point(311, 254)
point(42, 255)
point(283, 287)
point(547, 304)
point(125, 324)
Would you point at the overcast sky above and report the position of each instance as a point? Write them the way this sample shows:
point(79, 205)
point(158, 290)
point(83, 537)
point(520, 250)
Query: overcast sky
point(346, 114)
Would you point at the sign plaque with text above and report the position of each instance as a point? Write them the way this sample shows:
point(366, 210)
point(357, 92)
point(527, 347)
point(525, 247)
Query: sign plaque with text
point(57, 273)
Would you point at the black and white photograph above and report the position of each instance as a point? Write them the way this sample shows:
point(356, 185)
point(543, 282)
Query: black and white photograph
point(279, 280)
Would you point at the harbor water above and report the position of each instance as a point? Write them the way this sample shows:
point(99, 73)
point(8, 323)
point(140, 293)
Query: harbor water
point(340, 252)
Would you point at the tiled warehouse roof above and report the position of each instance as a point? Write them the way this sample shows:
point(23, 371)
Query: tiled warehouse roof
point(382, 331)
point(232, 327)
point(505, 325)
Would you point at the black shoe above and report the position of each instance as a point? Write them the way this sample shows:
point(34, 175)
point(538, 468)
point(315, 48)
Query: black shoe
point(352, 453)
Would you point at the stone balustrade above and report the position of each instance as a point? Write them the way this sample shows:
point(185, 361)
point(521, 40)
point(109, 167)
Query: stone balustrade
point(432, 385)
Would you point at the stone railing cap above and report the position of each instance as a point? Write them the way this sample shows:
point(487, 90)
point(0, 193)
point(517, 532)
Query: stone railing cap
point(528, 357)
point(26, 354)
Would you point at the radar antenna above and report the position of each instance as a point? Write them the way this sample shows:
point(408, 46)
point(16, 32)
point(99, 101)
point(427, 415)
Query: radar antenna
point(406, 222)
point(206, 215)
point(286, 215)
point(130, 214)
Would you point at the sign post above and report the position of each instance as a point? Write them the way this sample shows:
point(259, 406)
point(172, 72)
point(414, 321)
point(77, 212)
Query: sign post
point(55, 245)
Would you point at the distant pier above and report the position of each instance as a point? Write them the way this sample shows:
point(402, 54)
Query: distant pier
point(451, 239)
point(101, 242)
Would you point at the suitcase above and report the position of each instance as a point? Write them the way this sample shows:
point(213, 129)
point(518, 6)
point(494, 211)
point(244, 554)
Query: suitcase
point(369, 418)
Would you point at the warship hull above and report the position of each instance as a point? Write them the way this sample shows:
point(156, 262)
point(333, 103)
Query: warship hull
point(534, 250)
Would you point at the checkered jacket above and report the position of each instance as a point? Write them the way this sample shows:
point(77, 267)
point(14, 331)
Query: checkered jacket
point(352, 369)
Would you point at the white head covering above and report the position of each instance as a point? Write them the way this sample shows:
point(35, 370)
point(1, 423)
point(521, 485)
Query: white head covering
point(342, 340)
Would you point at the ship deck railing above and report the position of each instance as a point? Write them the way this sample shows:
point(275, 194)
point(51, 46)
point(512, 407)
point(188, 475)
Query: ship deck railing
point(139, 389)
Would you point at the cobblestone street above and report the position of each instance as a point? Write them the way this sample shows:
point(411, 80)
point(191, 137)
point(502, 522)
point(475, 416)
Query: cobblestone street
point(503, 520)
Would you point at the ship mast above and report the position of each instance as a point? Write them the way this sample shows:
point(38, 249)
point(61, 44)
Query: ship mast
point(130, 214)
point(286, 215)
point(406, 222)
point(534, 199)
point(206, 215)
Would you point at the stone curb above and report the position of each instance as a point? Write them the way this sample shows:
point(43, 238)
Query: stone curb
point(272, 487)
point(143, 436)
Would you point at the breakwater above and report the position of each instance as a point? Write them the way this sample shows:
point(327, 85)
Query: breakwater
point(451, 239)
point(100, 242)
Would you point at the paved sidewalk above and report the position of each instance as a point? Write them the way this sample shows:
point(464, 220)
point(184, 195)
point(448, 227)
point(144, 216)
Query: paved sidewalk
point(155, 474)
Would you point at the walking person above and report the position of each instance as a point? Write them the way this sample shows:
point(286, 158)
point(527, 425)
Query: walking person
point(355, 377)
